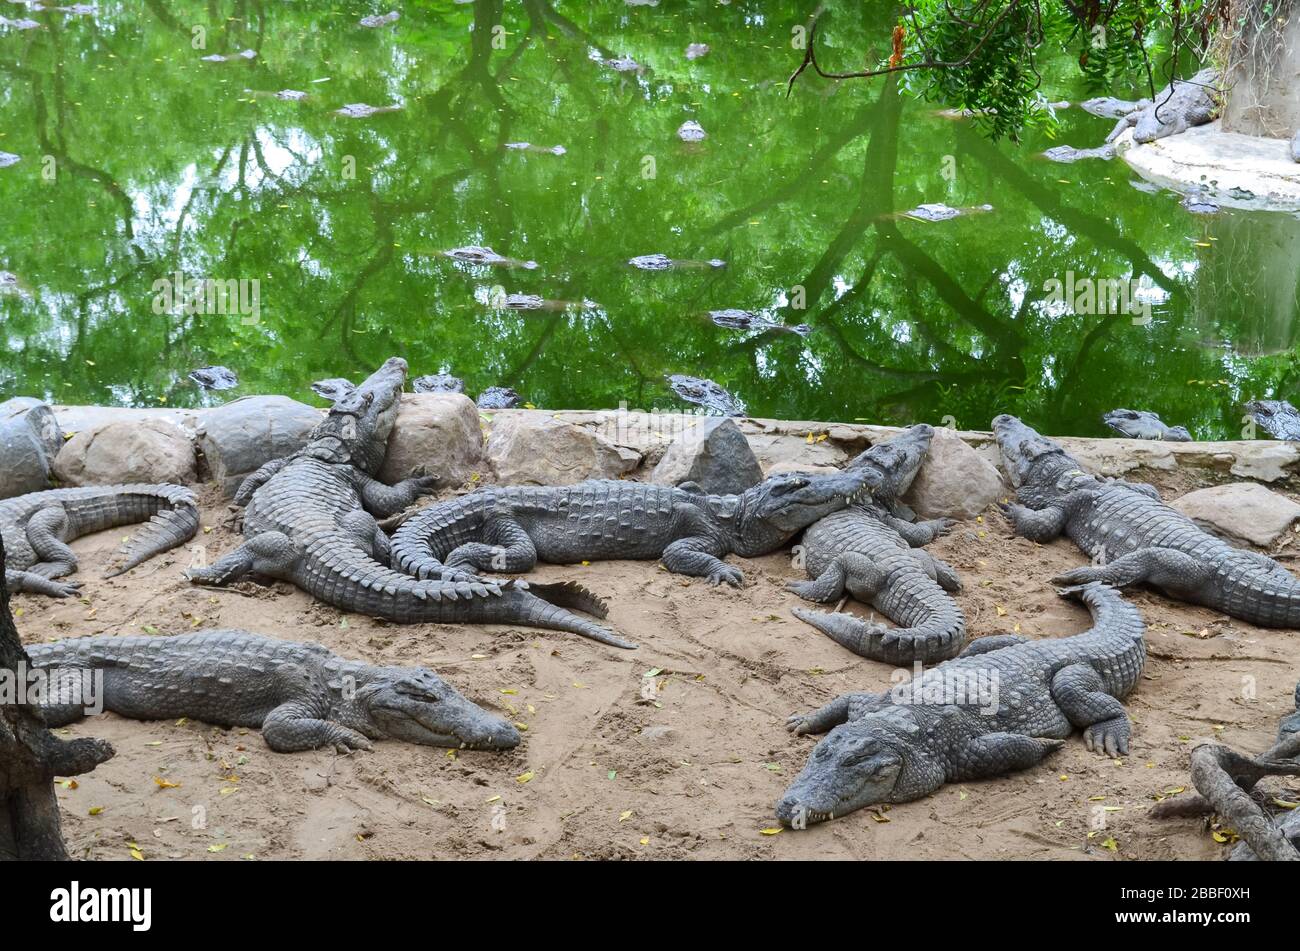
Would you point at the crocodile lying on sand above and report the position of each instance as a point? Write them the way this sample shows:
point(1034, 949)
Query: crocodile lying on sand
point(36, 528)
point(1003, 705)
point(512, 528)
point(870, 552)
point(1143, 424)
point(1278, 418)
point(1176, 108)
point(311, 520)
point(1134, 536)
point(301, 696)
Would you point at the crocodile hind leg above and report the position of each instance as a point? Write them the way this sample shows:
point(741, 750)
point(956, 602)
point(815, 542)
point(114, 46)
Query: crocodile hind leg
point(384, 501)
point(1080, 693)
point(507, 548)
point(296, 726)
point(270, 553)
point(253, 482)
point(1170, 570)
point(1047, 523)
point(824, 718)
point(370, 538)
point(45, 533)
point(943, 573)
point(993, 642)
point(995, 754)
point(826, 588)
point(699, 557)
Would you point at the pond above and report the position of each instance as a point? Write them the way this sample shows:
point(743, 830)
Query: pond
point(156, 139)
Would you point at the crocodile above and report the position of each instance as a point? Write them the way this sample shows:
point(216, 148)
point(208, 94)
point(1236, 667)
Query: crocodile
point(1107, 107)
point(36, 528)
point(1176, 108)
point(301, 696)
point(1278, 418)
point(511, 528)
point(1143, 424)
point(1134, 537)
point(705, 393)
point(871, 552)
point(310, 519)
point(1003, 705)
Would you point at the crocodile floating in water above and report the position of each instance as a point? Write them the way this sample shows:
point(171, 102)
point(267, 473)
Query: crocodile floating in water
point(696, 50)
point(512, 528)
point(872, 551)
point(498, 397)
point(1067, 153)
point(301, 696)
point(1107, 107)
point(937, 211)
point(1134, 536)
point(735, 319)
point(361, 110)
point(311, 519)
point(8, 158)
point(705, 393)
point(219, 58)
point(486, 257)
point(691, 131)
point(1278, 418)
point(215, 378)
point(1143, 424)
point(662, 262)
point(36, 528)
point(1003, 705)
point(541, 149)
point(438, 383)
point(1176, 108)
point(377, 20)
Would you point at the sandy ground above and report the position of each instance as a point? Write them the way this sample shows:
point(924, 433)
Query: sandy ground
point(605, 772)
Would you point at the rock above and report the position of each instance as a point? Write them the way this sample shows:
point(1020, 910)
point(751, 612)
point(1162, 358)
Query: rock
point(240, 437)
point(441, 432)
point(30, 438)
point(1295, 147)
point(1244, 511)
point(955, 482)
point(714, 454)
point(1265, 461)
point(527, 448)
point(806, 468)
point(150, 450)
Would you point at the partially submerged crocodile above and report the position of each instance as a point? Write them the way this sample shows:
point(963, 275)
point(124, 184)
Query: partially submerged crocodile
point(1143, 424)
point(36, 528)
point(1176, 108)
point(1278, 418)
point(1003, 705)
point(311, 520)
point(301, 696)
point(705, 393)
point(512, 528)
point(871, 551)
point(1134, 537)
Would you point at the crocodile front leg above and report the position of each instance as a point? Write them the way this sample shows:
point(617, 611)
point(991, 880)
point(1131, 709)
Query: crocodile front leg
point(384, 501)
point(1173, 571)
point(1080, 693)
point(296, 726)
point(824, 718)
point(700, 557)
point(918, 534)
point(995, 754)
point(253, 482)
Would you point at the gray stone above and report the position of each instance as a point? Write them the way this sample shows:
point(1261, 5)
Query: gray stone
point(955, 482)
point(30, 438)
point(150, 450)
point(1243, 511)
point(240, 437)
point(715, 454)
point(527, 448)
point(440, 434)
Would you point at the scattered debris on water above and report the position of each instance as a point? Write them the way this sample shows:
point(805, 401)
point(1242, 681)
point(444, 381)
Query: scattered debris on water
point(215, 378)
point(691, 131)
point(438, 383)
point(705, 393)
point(498, 397)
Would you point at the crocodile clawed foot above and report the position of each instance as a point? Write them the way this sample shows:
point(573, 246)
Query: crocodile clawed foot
point(732, 576)
point(1109, 737)
point(63, 589)
point(797, 723)
point(1075, 576)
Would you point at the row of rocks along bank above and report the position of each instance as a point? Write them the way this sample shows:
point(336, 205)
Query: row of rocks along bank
point(447, 435)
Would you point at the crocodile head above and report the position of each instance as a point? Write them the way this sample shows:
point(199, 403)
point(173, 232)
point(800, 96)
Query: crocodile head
point(416, 705)
point(898, 460)
point(874, 759)
point(358, 425)
point(1278, 418)
point(1030, 460)
point(780, 506)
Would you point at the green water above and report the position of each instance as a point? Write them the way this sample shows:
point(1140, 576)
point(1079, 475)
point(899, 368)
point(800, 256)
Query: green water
point(139, 159)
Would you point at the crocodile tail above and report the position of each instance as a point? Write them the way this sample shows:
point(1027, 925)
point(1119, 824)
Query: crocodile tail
point(938, 638)
point(536, 612)
point(170, 515)
point(570, 594)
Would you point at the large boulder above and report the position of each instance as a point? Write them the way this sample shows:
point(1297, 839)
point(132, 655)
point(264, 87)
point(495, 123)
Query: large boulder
point(440, 433)
point(956, 481)
point(1243, 511)
point(536, 449)
point(150, 450)
point(715, 454)
point(30, 438)
point(240, 437)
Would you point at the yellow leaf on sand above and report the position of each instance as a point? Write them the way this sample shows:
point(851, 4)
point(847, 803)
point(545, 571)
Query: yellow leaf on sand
point(166, 784)
point(137, 855)
point(1001, 610)
point(1111, 844)
point(524, 777)
point(96, 810)
point(219, 847)
point(625, 815)
point(645, 840)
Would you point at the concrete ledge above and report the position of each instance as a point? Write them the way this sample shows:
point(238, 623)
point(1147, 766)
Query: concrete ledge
point(1239, 171)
